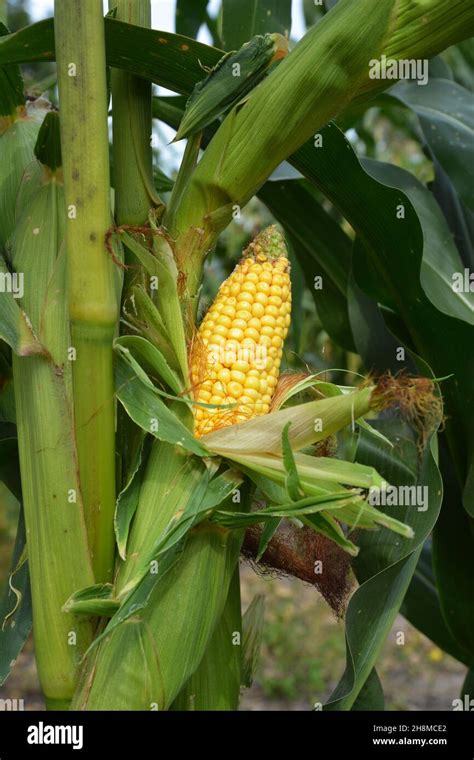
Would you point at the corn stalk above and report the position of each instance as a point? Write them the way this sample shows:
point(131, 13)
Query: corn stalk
point(58, 552)
point(92, 283)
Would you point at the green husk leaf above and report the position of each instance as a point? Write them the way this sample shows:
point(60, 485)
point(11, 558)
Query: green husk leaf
point(142, 403)
point(169, 547)
point(223, 87)
point(147, 319)
point(252, 633)
point(302, 507)
point(329, 527)
point(162, 266)
point(268, 531)
point(127, 500)
point(93, 600)
point(293, 485)
point(153, 359)
point(310, 422)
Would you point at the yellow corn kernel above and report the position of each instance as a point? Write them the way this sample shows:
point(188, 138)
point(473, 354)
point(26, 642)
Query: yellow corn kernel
point(237, 359)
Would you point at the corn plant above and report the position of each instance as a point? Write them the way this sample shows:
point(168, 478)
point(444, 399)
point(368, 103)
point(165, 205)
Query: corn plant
point(157, 439)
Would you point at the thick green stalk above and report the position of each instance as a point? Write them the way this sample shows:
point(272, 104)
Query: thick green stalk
point(93, 296)
point(58, 553)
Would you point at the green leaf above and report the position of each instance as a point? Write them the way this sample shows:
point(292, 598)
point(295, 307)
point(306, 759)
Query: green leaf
point(146, 318)
point(142, 403)
point(152, 360)
point(387, 268)
point(268, 531)
point(446, 113)
point(242, 19)
point(421, 606)
point(453, 559)
point(371, 696)
point(252, 633)
point(48, 144)
point(162, 266)
point(300, 508)
point(127, 500)
point(208, 495)
point(93, 600)
point(229, 82)
point(441, 259)
point(171, 60)
point(293, 485)
point(11, 86)
point(170, 546)
point(16, 608)
point(386, 563)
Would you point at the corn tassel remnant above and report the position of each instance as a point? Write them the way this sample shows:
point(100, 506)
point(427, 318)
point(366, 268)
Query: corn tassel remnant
point(236, 356)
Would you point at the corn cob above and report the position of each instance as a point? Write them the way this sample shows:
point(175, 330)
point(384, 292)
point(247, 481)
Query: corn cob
point(236, 358)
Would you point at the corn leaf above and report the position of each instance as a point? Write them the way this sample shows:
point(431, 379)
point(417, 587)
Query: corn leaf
point(142, 403)
point(269, 529)
point(154, 361)
point(446, 116)
point(227, 83)
point(293, 485)
point(300, 508)
point(441, 261)
point(252, 633)
point(242, 19)
point(16, 608)
point(127, 500)
point(385, 564)
point(148, 321)
point(93, 600)
point(161, 265)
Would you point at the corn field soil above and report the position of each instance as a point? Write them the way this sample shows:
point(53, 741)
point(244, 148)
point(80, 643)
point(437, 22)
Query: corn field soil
point(295, 672)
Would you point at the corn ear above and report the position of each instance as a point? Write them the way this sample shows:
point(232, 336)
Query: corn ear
point(237, 354)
